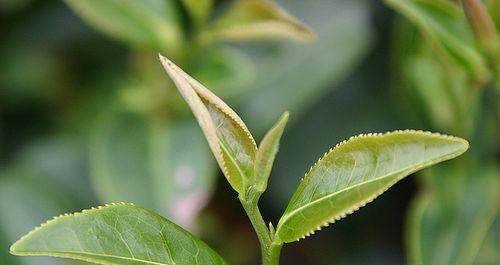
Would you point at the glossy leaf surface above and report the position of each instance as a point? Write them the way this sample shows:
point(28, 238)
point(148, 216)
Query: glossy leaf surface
point(230, 140)
point(268, 149)
point(148, 23)
point(355, 172)
point(116, 234)
point(446, 24)
point(259, 19)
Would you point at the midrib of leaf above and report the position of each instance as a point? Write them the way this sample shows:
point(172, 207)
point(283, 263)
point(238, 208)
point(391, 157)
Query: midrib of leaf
point(396, 175)
point(83, 256)
point(292, 213)
point(240, 170)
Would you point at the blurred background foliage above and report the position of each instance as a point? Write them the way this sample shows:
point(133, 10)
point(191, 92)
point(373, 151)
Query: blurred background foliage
point(88, 117)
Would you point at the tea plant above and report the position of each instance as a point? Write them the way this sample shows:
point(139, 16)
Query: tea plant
point(347, 177)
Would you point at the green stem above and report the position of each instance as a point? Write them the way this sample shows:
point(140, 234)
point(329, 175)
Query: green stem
point(270, 250)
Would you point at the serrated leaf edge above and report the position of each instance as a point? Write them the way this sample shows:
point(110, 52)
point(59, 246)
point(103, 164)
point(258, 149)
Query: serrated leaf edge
point(207, 95)
point(370, 199)
point(64, 215)
point(203, 93)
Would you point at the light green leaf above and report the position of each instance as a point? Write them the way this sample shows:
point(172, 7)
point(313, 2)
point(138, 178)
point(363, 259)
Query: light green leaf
point(355, 172)
point(230, 140)
point(169, 161)
point(149, 23)
point(445, 24)
point(268, 149)
point(451, 218)
point(116, 234)
point(259, 19)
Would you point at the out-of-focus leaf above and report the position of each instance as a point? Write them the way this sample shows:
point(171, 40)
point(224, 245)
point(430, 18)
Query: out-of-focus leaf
point(291, 76)
point(427, 79)
point(442, 94)
point(164, 166)
point(259, 19)
point(483, 26)
point(149, 23)
point(61, 159)
point(489, 253)
point(11, 6)
point(444, 23)
point(357, 171)
point(40, 77)
point(29, 201)
point(116, 234)
point(199, 10)
point(449, 222)
point(230, 140)
point(227, 71)
point(268, 148)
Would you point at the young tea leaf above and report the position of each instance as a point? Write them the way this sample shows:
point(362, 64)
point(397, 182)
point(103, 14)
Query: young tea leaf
point(358, 170)
point(116, 234)
point(230, 140)
point(260, 19)
point(268, 149)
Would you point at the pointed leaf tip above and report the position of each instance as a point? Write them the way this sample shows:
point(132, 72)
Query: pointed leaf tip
point(229, 138)
point(357, 171)
point(267, 151)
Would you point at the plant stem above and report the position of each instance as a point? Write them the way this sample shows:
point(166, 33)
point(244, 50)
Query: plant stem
point(270, 250)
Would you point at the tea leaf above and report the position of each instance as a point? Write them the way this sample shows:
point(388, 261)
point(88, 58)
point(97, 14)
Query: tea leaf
point(267, 151)
point(150, 23)
point(231, 142)
point(446, 25)
point(116, 234)
point(450, 219)
point(355, 172)
point(259, 19)
point(129, 151)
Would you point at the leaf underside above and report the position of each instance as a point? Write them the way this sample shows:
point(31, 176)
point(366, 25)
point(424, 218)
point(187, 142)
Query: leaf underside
point(116, 234)
point(358, 170)
point(230, 140)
